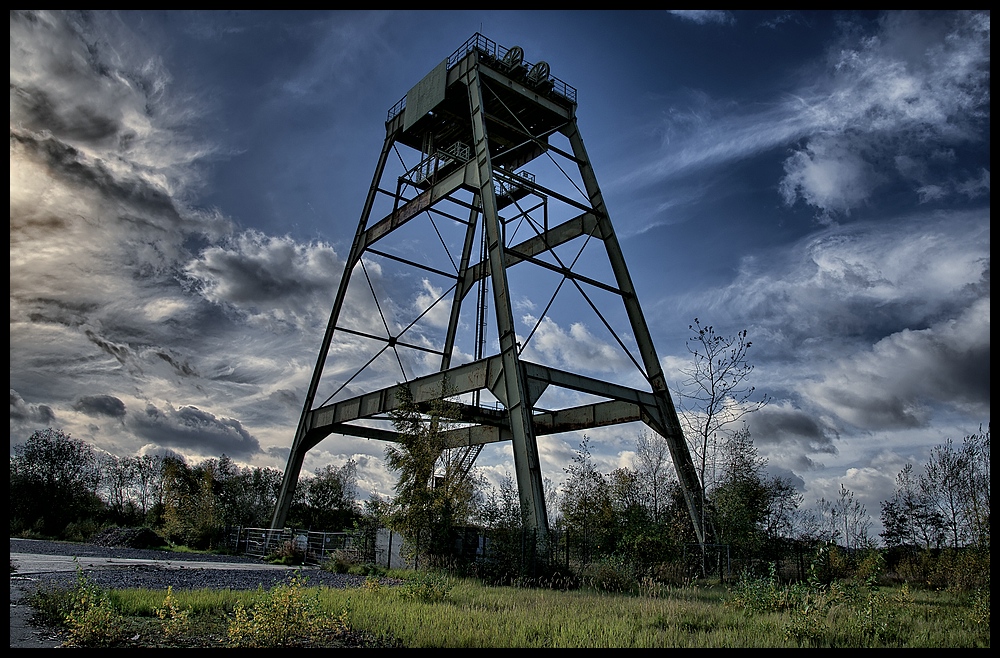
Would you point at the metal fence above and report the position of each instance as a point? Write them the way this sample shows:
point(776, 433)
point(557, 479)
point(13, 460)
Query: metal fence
point(318, 547)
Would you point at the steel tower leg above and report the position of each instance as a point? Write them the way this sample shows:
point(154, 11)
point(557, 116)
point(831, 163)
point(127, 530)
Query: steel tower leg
point(302, 444)
point(666, 423)
point(526, 466)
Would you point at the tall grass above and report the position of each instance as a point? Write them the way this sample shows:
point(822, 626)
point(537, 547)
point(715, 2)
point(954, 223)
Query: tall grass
point(433, 610)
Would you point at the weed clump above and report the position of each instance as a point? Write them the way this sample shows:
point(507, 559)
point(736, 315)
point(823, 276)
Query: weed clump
point(174, 621)
point(285, 616)
point(84, 610)
point(288, 553)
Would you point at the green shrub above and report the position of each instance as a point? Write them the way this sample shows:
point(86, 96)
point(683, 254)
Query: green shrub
point(807, 625)
point(427, 586)
point(288, 553)
point(80, 531)
point(757, 594)
point(610, 575)
point(367, 569)
point(964, 570)
point(284, 616)
point(338, 562)
point(870, 567)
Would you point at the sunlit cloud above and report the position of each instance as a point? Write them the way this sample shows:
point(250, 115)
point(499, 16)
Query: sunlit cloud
point(268, 279)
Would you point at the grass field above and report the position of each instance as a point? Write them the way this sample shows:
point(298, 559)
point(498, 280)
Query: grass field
point(434, 610)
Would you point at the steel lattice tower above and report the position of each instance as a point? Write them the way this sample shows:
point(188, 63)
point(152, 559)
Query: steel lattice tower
point(473, 123)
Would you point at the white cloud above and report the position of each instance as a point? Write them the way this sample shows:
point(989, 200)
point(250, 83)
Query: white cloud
point(438, 313)
point(918, 85)
point(575, 349)
point(977, 186)
point(867, 280)
point(705, 16)
point(828, 174)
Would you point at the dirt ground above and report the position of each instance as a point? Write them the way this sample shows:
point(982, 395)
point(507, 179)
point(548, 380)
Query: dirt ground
point(22, 634)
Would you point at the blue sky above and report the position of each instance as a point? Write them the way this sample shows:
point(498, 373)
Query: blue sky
point(185, 186)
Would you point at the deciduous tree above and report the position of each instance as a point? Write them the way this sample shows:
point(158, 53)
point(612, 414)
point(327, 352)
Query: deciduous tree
point(585, 505)
point(434, 494)
point(909, 517)
point(715, 394)
point(53, 481)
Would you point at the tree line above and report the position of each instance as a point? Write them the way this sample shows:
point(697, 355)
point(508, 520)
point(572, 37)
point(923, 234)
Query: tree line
point(61, 487)
point(633, 517)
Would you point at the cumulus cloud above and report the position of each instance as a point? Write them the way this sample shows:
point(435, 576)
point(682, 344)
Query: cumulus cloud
point(188, 428)
point(903, 375)
point(268, 278)
point(828, 174)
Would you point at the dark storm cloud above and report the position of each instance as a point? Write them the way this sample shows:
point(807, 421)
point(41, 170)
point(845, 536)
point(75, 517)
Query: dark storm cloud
point(904, 376)
point(25, 414)
point(189, 428)
point(778, 427)
point(100, 405)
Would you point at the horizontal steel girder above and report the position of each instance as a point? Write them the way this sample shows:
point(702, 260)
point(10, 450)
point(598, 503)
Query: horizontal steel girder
point(487, 426)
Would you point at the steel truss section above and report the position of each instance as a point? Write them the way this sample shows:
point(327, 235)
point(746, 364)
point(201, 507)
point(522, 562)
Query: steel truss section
point(491, 113)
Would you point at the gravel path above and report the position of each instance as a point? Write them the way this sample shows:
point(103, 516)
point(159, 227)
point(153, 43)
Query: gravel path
point(176, 575)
